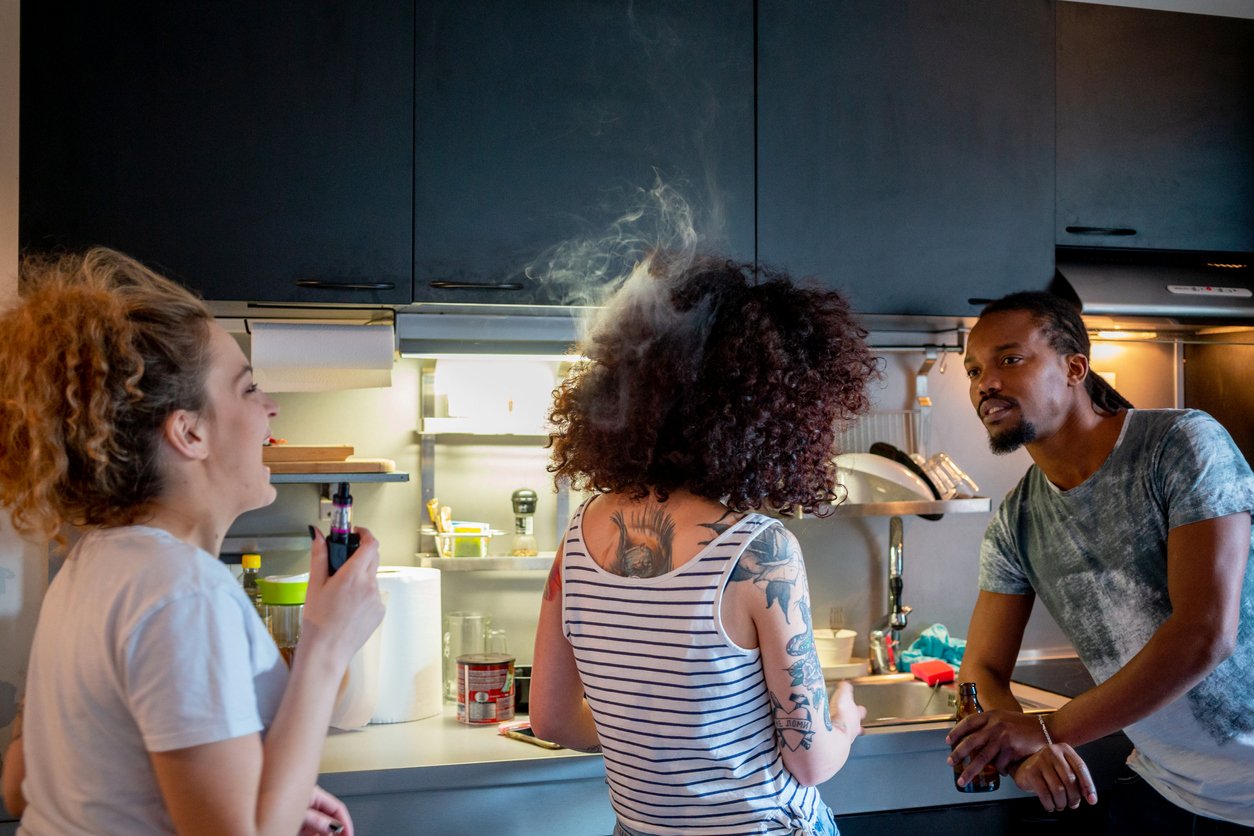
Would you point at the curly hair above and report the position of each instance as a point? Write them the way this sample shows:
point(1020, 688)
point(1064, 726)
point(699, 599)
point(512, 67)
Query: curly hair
point(95, 355)
point(726, 380)
point(1064, 329)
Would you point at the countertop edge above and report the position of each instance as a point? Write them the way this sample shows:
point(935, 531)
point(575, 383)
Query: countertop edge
point(486, 760)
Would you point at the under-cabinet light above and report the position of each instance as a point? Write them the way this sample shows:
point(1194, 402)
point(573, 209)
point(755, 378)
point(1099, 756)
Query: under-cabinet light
point(1127, 335)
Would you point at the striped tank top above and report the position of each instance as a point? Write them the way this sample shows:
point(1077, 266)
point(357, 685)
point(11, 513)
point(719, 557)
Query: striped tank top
point(683, 713)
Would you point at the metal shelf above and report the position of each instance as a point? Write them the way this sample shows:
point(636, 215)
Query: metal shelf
point(540, 562)
point(263, 543)
point(330, 478)
point(484, 438)
point(467, 427)
point(971, 505)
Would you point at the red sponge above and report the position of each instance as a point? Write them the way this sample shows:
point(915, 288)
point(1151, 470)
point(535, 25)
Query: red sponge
point(933, 671)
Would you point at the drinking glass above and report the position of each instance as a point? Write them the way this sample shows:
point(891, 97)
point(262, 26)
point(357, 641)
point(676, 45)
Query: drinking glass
point(464, 632)
point(496, 642)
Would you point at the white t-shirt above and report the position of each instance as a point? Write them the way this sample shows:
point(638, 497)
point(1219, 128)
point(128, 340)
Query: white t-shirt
point(144, 644)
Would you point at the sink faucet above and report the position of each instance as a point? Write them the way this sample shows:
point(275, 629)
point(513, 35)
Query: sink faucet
point(885, 636)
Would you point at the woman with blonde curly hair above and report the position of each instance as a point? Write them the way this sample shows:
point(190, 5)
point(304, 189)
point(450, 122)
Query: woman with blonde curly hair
point(156, 702)
point(675, 629)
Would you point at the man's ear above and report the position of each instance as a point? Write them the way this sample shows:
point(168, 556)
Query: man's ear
point(1077, 369)
point(184, 432)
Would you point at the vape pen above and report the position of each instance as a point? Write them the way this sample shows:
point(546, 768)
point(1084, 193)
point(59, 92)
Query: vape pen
point(342, 542)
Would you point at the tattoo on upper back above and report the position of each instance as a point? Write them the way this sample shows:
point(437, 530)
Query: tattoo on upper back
point(644, 543)
point(770, 564)
point(719, 526)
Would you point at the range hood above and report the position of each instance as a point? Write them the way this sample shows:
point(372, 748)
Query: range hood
point(1195, 287)
point(447, 330)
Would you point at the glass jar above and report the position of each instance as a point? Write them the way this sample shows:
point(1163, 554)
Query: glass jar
point(283, 600)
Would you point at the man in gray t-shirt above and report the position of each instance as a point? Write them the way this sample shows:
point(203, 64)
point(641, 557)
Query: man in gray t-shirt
point(1133, 527)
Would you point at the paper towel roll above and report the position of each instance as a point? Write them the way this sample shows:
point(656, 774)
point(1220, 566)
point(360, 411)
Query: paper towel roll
point(410, 660)
point(319, 357)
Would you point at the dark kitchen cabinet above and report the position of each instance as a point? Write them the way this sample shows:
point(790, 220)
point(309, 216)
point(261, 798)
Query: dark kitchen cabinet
point(1219, 380)
point(1007, 810)
point(253, 151)
point(905, 150)
point(1020, 817)
point(542, 127)
point(1155, 129)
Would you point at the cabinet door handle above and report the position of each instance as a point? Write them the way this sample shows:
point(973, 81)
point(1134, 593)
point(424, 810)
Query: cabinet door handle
point(1100, 230)
point(324, 285)
point(442, 284)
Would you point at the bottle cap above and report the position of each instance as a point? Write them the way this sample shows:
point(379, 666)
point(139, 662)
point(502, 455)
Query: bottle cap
point(524, 500)
point(250, 561)
point(283, 589)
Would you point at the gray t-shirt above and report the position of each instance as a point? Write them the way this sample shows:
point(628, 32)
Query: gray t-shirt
point(1096, 555)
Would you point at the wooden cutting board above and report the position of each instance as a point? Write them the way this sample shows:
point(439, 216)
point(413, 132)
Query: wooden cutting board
point(306, 452)
point(346, 466)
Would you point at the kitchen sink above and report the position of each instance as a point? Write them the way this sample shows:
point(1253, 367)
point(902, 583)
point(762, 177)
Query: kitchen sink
point(897, 699)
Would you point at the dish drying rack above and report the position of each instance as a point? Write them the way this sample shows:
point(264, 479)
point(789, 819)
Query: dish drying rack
point(906, 429)
point(909, 430)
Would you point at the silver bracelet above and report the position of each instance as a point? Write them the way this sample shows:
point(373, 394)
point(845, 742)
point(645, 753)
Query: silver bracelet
point(1049, 741)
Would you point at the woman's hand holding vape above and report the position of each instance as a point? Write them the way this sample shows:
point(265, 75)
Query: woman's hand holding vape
point(341, 611)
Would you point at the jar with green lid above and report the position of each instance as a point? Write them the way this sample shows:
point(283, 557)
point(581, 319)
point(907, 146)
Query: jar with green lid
point(283, 600)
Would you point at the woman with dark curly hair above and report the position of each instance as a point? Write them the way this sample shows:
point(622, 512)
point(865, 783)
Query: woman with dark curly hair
point(156, 700)
point(675, 631)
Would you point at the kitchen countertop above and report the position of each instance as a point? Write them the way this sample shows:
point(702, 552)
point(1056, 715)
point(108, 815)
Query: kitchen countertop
point(438, 776)
point(440, 741)
point(424, 753)
point(440, 758)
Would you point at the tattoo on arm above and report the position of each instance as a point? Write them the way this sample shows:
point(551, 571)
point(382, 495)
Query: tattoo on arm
point(644, 543)
point(770, 564)
point(806, 672)
point(794, 726)
point(553, 586)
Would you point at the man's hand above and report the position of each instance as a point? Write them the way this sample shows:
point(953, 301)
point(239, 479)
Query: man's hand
point(1058, 776)
point(1001, 738)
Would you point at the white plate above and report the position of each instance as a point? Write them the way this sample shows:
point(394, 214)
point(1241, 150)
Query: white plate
point(872, 478)
point(852, 668)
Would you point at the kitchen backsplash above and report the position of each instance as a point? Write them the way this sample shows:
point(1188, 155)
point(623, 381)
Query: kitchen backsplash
point(846, 559)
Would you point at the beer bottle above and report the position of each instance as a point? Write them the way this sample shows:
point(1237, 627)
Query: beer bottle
point(988, 779)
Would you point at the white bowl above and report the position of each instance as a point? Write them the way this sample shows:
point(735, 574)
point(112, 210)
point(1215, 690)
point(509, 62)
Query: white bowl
point(834, 647)
point(871, 478)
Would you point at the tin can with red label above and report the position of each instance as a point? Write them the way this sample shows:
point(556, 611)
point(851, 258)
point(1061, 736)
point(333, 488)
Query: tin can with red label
point(485, 688)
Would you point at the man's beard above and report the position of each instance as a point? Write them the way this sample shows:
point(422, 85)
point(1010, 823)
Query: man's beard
point(1012, 438)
